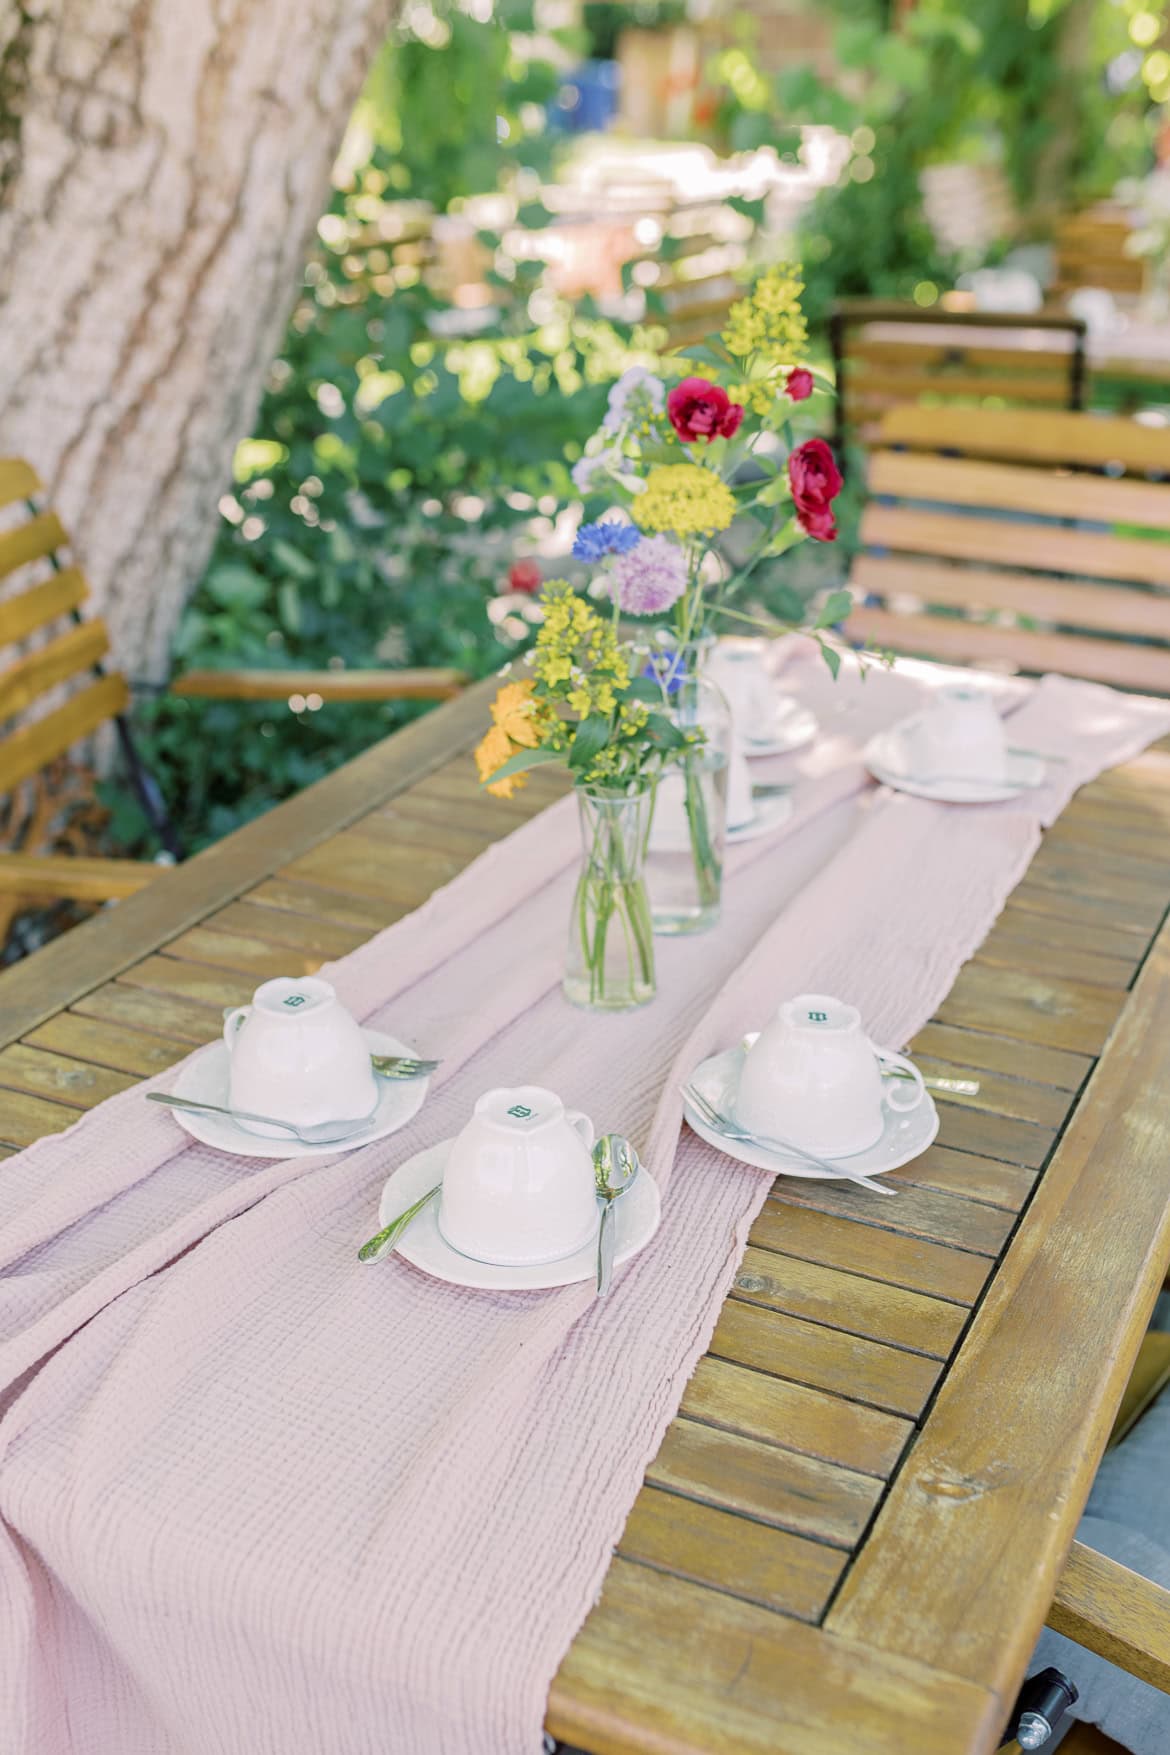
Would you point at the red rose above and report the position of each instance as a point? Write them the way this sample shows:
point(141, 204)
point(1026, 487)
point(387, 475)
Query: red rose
point(816, 482)
point(524, 576)
point(700, 410)
point(800, 383)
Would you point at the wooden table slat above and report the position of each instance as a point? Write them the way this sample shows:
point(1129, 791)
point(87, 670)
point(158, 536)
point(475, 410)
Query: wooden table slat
point(751, 1561)
point(847, 1302)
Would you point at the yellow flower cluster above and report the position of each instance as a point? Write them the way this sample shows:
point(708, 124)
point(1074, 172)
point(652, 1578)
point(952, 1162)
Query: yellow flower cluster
point(685, 499)
point(758, 395)
point(518, 722)
point(578, 664)
point(578, 648)
point(769, 321)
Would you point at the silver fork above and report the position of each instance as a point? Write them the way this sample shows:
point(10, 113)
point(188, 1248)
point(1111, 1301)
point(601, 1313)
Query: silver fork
point(402, 1066)
point(724, 1124)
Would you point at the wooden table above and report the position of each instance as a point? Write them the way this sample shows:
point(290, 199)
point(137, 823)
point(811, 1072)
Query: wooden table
point(850, 1537)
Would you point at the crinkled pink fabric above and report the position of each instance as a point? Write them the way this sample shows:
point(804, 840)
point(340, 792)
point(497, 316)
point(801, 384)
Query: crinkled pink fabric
point(257, 1499)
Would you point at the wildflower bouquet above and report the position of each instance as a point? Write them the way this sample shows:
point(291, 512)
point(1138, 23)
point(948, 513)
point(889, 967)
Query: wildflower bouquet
point(680, 465)
point(580, 703)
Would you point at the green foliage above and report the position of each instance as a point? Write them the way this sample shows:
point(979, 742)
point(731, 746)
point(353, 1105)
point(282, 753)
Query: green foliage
point(392, 476)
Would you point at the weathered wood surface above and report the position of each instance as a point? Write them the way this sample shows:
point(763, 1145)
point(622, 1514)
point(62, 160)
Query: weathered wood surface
point(853, 1528)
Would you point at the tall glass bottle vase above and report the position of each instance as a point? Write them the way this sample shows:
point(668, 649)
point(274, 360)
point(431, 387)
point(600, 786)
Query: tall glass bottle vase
point(684, 861)
point(610, 965)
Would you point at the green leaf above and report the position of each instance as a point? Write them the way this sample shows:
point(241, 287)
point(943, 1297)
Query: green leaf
point(591, 737)
point(292, 560)
point(642, 689)
point(288, 606)
point(663, 733)
point(832, 658)
point(234, 585)
point(834, 609)
point(522, 760)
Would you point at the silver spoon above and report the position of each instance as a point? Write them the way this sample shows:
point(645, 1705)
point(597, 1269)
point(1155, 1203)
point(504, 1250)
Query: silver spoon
point(385, 1240)
point(615, 1166)
point(321, 1133)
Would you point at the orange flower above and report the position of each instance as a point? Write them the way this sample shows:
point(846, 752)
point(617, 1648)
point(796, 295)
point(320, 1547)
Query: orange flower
point(491, 753)
point(512, 711)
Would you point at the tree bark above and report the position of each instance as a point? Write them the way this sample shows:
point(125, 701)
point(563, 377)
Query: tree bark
point(162, 166)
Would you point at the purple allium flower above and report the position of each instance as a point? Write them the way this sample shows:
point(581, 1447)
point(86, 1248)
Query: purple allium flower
point(595, 541)
point(651, 577)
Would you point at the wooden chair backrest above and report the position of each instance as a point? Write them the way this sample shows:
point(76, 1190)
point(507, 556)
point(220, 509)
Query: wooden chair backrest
point(44, 644)
point(886, 354)
point(1029, 541)
point(1090, 251)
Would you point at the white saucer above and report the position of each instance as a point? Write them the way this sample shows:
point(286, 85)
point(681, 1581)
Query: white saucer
point(889, 760)
point(905, 1135)
point(793, 725)
point(635, 1216)
point(771, 813)
point(205, 1079)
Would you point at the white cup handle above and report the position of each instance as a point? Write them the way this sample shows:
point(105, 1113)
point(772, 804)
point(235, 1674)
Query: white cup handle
point(583, 1125)
point(231, 1024)
point(893, 1092)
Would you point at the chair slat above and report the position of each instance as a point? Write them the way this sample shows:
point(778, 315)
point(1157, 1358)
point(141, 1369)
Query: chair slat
point(959, 481)
point(78, 648)
point(1032, 436)
point(18, 480)
point(1049, 547)
point(23, 614)
point(1145, 668)
point(331, 685)
point(79, 878)
point(30, 542)
point(1023, 360)
point(1110, 608)
point(23, 752)
point(1012, 387)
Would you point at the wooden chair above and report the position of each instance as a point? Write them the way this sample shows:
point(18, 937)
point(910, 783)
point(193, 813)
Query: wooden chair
point(887, 354)
point(1029, 541)
point(1090, 251)
point(1101, 1604)
point(56, 690)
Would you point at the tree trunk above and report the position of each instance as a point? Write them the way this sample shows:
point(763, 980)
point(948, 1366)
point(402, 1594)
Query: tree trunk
point(162, 166)
point(1056, 162)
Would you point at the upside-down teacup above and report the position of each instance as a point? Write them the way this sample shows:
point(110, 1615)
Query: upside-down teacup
point(298, 1055)
point(814, 1079)
point(519, 1184)
point(740, 667)
point(960, 736)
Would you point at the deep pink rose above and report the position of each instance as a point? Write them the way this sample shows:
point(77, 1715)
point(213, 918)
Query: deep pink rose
point(524, 576)
point(701, 410)
point(816, 482)
point(800, 383)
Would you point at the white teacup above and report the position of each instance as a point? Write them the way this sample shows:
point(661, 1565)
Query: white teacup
point(297, 1054)
point(960, 736)
point(519, 1185)
point(814, 1078)
point(740, 667)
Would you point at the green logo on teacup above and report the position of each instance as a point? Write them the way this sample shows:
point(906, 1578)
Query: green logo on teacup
point(818, 1017)
point(294, 999)
point(520, 1112)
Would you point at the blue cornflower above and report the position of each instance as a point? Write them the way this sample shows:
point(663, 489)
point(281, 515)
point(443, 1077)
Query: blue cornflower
point(667, 669)
point(608, 537)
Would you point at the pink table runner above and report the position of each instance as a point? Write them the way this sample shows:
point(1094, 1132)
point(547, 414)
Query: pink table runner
point(255, 1497)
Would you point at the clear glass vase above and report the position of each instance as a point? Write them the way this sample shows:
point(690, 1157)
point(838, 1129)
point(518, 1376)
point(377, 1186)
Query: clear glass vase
point(610, 965)
point(688, 834)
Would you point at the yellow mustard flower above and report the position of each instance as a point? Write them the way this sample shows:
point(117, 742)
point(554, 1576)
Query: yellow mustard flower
point(684, 499)
point(770, 320)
